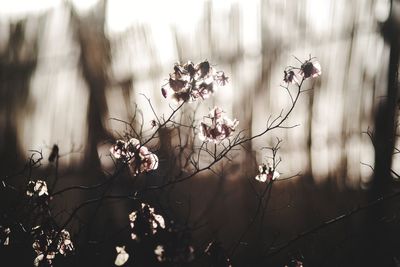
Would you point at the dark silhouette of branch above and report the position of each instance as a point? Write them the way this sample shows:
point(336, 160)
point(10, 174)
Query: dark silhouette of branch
point(279, 248)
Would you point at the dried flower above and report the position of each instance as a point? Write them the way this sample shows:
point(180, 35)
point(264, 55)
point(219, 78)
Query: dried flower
point(189, 82)
point(160, 253)
point(118, 150)
point(204, 68)
point(153, 123)
point(43, 240)
point(310, 68)
point(289, 77)
point(138, 157)
point(221, 79)
point(48, 259)
point(65, 245)
point(266, 173)
point(145, 221)
point(38, 188)
point(122, 256)
point(220, 127)
point(5, 235)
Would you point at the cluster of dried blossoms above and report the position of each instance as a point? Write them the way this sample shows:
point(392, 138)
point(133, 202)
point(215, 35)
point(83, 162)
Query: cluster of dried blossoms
point(145, 222)
point(138, 157)
point(37, 189)
point(150, 233)
point(216, 127)
point(310, 68)
point(266, 173)
point(46, 250)
point(189, 82)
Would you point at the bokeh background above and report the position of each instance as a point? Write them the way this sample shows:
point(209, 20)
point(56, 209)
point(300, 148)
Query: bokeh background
point(68, 67)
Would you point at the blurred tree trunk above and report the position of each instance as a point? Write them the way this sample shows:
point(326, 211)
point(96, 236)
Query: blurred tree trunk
point(17, 64)
point(94, 59)
point(385, 120)
point(384, 141)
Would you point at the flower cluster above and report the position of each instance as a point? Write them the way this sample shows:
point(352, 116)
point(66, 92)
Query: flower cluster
point(44, 248)
point(168, 244)
point(310, 68)
point(138, 157)
point(189, 82)
point(65, 245)
point(218, 126)
point(266, 173)
point(145, 221)
point(37, 189)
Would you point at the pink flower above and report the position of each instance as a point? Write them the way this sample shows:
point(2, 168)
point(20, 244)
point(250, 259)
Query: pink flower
point(118, 149)
point(141, 159)
point(190, 82)
point(220, 127)
point(138, 157)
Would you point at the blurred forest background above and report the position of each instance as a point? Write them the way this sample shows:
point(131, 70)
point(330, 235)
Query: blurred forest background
point(68, 67)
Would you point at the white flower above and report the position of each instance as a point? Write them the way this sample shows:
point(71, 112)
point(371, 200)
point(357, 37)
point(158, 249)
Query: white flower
point(38, 259)
point(122, 256)
point(160, 253)
point(38, 188)
point(41, 188)
point(145, 214)
point(132, 217)
point(266, 173)
point(65, 244)
point(138, 157)
point(160, 220)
